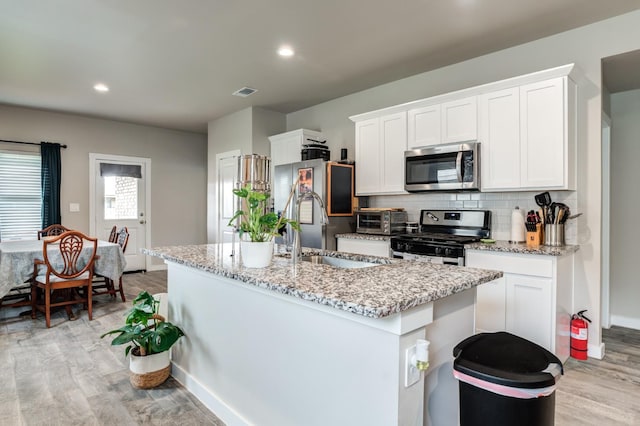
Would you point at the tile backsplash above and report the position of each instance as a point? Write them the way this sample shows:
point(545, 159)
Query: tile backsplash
point(500, 203)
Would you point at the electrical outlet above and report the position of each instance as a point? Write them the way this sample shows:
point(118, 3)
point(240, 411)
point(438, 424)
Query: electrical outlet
point(411, 374)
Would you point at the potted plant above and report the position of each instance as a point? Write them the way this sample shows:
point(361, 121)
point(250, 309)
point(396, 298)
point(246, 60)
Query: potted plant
point(149, 337)
point(257, 227)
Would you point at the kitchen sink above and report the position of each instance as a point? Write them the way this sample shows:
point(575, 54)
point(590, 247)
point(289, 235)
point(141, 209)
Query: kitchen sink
point(338, 262)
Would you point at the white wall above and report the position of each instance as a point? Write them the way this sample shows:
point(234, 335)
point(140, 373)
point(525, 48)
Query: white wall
point(247, 130)
point(584, 46)
point(625, 203)
point(178, 167)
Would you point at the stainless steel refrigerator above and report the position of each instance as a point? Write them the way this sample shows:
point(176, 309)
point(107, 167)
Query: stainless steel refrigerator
point(334, 182)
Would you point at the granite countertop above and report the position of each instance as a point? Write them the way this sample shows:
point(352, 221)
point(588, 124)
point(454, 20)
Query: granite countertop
point(522, 248)
point(393, 286)
point(370, 237)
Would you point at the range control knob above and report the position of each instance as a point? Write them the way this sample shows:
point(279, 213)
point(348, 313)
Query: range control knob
point(448, 252)
point(438, 251)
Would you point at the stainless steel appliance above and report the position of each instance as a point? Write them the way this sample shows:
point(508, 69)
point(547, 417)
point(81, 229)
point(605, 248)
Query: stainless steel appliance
point(450, 167)
point(442, 236)
point(381, 221)
point(334, 183)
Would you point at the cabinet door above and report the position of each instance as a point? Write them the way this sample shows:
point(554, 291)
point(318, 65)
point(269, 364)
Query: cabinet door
point(529, 308)
point(499, 134)
point(460, 120)
point(490, 306)
point(424, 127)
point(393, 133)
point(368, 155)
point(365, 247)
point(543, 135)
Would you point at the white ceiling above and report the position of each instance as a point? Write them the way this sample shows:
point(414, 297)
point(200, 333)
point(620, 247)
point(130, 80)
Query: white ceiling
point(175, 64)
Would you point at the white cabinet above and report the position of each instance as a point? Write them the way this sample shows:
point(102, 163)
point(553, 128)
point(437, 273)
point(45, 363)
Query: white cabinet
point(528, 136)
point(286, 147)
point(424, 126)
point(365, 247)
point(380, 146)
point(460, 120)
point(532, 300)
point(499, 131)
point(454, 121)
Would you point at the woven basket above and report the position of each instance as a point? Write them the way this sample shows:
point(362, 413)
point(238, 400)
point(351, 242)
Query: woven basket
point(149, 380)
point(149, 371)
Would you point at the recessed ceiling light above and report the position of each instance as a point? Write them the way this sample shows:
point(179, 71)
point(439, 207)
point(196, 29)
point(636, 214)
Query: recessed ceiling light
point(285, 51)
point(100, 87)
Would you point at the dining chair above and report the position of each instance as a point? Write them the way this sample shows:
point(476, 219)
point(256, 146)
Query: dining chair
point(113, 235)
point(68, 265)
point(52, 230)
point(105, 285)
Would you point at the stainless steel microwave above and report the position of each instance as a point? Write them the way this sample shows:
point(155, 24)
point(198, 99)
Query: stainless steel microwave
point(450, 167)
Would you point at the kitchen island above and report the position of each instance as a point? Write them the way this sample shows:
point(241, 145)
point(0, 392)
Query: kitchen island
point(317, 344)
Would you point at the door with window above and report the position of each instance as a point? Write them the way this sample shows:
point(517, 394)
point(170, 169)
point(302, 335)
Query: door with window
point(120, 199)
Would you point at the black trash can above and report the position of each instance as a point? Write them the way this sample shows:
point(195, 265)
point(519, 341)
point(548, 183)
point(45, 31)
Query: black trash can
point(505, 380)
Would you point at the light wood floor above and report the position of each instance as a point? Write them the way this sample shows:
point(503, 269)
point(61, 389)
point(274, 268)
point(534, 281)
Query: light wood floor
point(68, 375)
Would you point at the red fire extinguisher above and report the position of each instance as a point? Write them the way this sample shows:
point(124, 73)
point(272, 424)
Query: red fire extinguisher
point(579, 335)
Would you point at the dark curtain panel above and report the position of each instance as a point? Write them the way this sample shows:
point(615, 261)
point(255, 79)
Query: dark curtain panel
point(50, 179)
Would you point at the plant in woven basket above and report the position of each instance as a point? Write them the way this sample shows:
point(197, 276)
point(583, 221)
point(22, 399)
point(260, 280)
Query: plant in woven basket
point(147, 332)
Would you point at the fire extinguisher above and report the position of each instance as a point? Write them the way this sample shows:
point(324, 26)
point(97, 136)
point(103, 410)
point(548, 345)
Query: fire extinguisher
point(579, 335)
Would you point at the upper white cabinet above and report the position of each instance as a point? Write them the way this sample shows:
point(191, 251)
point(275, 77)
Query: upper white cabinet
point(424, 126)
point(286, 147)
point(526, 126)
point(460, 120)
point(454, 121)
point(528, 137)
point(380, 146)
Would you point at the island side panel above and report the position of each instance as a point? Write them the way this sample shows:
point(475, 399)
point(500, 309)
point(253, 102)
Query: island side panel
point(453, 321)
point(265, 359)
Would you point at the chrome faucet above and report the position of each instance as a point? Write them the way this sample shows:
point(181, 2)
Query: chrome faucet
point(297, 250)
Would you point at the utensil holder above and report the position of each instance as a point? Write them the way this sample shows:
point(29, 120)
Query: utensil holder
point(554, 235)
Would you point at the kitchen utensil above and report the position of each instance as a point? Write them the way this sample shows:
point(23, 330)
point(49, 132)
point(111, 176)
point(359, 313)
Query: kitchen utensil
point(543, 199)
point(554, 235)
point(560, 215)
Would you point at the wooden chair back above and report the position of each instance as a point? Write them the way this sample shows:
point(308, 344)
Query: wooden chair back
point(123, 238)
point(52, 230)
point(71, 245)
point(113, 236)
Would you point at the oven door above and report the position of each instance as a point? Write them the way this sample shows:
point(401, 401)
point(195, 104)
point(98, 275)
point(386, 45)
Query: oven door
point(374, 222)
point(443, 167)
point(459, 261)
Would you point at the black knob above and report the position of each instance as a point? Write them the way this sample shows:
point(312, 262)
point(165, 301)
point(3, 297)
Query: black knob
point(438, 251)
point(448, 252)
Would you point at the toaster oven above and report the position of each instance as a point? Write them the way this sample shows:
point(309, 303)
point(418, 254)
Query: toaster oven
point(381, 221)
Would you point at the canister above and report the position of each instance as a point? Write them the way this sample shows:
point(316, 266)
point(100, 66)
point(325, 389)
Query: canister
point(554, 235)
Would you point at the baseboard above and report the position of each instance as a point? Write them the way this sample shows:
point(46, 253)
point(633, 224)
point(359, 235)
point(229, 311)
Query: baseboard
point(161, 267)
point(208, 398)
point(596, 351)
point(627, 322)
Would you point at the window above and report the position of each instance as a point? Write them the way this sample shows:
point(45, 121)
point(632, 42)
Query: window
point(20, 195)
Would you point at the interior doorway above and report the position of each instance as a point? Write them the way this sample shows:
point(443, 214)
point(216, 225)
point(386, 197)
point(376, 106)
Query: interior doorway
point(119, 196)
point(227, 171)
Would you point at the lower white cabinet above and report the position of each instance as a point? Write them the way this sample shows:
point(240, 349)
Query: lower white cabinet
point(532, 300)
point(365, 247)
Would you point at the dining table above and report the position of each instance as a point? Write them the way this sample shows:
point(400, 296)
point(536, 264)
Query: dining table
point(16, 261)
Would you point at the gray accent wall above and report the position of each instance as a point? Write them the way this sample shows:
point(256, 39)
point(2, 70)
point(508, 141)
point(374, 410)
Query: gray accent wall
point(178, 167)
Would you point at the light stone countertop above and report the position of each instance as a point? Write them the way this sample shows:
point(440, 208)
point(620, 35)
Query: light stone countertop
point(522, 248)
point(370, 237)
point(393, 286)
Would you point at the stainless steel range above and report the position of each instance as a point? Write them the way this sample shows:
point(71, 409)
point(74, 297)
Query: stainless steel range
point(442, 236)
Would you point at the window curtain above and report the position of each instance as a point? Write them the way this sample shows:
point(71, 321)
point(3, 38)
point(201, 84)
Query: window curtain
point(50, 174)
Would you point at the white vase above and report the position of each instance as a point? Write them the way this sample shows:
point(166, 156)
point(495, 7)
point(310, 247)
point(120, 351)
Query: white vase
point(149, 371)
point(256, 255)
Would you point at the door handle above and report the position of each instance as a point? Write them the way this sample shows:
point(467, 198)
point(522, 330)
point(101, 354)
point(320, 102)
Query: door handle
point(142, 222)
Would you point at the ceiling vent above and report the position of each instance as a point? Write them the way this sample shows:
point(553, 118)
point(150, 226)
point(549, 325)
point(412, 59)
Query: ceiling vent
point(244, 92)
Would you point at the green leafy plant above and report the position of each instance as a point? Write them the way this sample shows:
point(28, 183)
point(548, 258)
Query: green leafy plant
point(260, 226)
point(147, 332)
